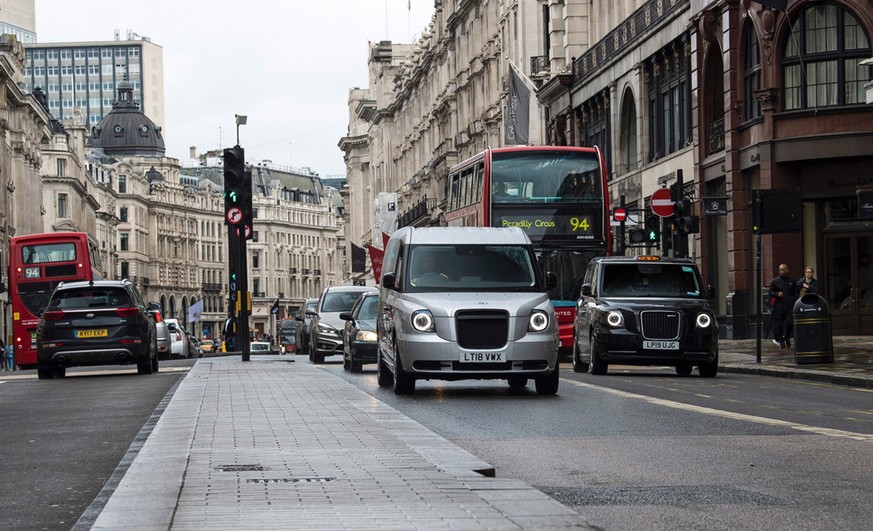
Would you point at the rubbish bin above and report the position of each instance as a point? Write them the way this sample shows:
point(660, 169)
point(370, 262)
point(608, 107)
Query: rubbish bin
point(813, 341)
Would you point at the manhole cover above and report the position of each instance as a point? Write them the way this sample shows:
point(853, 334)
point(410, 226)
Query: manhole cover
point(241, 468)
point(291, 480)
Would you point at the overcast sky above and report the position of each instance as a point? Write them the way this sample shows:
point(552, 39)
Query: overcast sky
point(286, 64)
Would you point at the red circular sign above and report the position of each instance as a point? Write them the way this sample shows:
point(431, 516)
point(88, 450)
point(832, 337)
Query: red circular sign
point(661, 203)
point(234, 215)
point(619, 214)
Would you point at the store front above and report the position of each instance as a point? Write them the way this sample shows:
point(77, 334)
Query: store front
point(848, 286)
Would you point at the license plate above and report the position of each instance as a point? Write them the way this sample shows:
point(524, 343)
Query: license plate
point(483, 357)
point(661, 345)
point(91, 333)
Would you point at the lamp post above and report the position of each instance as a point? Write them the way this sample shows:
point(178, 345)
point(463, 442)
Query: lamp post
point(240, 120)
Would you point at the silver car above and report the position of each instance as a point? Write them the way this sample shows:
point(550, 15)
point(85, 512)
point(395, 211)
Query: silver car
point(326, 329)
point(465, 303)
point(162, 329)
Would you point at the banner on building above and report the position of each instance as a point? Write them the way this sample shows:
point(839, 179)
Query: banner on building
point(359, 259)
point(195, 311)
point(275, 308)
point(517, 109)
point(376, 256)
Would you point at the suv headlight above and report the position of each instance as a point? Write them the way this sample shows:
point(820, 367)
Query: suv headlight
point(422, 320)
point(539, 321)
point(614, 318)
point(327, 330)
point(704, 320)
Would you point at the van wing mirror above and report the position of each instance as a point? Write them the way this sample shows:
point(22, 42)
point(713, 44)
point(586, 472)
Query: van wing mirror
point(388, 281)
point(346, 316)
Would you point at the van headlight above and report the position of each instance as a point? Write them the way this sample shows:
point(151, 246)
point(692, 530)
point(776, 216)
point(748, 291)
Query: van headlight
point(422, 320)
point(614, 318)
point(539, 321)
point(703, 320)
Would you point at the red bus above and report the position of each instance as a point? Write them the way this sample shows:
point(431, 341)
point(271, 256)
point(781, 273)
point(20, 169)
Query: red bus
point(557, 194)
point(287, 334)
point(37, 263)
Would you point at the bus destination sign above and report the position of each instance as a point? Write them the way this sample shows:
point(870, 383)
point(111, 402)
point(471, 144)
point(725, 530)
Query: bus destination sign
point(552, 225)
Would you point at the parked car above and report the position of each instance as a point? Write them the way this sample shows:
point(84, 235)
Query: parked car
point(325, 331)
point(304, 320)
point(359, 337)
point(101, 322)
point(179, 342)
point(260, 347)
point(162, 329)
point(645, 310)
point(207, 346)
point(483, 313)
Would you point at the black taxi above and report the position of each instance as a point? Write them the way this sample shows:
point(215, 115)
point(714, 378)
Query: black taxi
point(644, 310)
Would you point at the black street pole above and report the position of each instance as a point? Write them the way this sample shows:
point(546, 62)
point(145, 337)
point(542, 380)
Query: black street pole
point(622, 228)
point(757, 278)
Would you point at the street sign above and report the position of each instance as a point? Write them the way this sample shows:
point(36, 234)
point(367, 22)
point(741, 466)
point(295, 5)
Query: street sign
point(234, 215)
point(661, 203)
point(619, 214)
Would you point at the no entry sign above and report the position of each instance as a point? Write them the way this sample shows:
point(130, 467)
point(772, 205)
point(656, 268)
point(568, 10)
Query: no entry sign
point(661, 203)
point(619, 214)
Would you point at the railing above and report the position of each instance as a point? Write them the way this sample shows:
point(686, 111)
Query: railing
point(209, 286)
point(416, 213)
point(539, 63)
point(716, 136)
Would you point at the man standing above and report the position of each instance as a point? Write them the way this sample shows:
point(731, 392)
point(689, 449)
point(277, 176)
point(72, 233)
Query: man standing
point(782, 293)
point(229, 332)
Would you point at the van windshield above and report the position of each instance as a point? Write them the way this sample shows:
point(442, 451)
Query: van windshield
point(471, 267)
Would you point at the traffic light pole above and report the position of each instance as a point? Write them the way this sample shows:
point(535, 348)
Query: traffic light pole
point(243, 296)
point(237, 207)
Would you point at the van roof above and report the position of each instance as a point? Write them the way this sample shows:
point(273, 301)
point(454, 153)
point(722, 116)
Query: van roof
point(456, 235)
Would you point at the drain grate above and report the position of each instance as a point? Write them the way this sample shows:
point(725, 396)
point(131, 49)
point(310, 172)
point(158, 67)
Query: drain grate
point(241, 468)
point(314, 479)
point(663, 495)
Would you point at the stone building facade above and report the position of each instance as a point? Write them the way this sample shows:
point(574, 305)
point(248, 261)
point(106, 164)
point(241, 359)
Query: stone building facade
point(739, 98)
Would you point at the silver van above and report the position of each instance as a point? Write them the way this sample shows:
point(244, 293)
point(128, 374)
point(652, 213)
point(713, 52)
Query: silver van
point(465, 303)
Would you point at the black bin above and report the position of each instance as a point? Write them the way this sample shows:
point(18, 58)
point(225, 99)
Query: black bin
point(813, 341)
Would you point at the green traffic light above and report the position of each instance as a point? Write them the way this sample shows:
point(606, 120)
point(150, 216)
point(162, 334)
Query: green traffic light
point(653, 236)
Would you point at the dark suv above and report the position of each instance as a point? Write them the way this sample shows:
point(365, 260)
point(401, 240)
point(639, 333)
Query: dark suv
point(645, 310)
point(98, 322)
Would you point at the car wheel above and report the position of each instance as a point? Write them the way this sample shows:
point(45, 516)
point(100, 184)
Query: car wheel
point(347, 366)
point(311, 356)
point(517, 382)
point(59, 371)
point(44, 371)
point(578, 365)
point(598, 366)
point(708, 370)
point(155, 364)
point(548, 385)
point(382, 374)
point(404, 384)
point(684, 369)
point(357, 366)
point(144, 367)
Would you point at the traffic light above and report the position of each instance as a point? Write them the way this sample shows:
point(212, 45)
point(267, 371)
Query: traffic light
point(637, 236)
point(653, 229)
point(234, 183)
point(233, 286)
point(682, 216)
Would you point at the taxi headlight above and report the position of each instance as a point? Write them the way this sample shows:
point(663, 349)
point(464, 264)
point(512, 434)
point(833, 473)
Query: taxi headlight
point(614, 318)
point(703, 320)
point(422, 320)
point(539, 321)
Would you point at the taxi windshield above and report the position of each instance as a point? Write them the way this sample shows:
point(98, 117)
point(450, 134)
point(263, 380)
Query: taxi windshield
point(651, 280)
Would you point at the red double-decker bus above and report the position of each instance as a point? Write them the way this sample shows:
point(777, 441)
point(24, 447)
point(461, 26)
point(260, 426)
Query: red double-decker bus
point(37, 263)
point(557, 194)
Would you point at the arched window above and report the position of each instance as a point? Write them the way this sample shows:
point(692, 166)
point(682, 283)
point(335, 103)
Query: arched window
point(751, 75)
point(820, 63)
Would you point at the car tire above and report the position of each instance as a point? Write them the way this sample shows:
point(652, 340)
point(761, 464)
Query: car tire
point(383, 376)
point(548, 385)
point(44, 371)
point(404, 384)
point(708, 370)
point(597, 366)
point(684, 369)
point(517, 382)
point(59, 371)
point(578, 364)
point(155, 364)
point(356, 366)
point(144, 367)
point(347, 366)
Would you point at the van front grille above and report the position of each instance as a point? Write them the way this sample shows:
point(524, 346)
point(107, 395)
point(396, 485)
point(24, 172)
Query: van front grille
point(482, 329)
point(659, 324)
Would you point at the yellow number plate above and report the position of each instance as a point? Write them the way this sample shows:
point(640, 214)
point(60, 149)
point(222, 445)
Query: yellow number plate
point(91, 333)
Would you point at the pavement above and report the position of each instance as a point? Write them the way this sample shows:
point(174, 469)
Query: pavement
point(270, 444)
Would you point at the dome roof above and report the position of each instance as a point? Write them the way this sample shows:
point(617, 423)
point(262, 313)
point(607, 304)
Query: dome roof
point(126, 130)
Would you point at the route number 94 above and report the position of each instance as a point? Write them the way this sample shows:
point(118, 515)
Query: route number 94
point(580, 224)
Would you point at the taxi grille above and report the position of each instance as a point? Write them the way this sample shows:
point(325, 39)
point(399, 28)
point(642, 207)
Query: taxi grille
point(482, 329)
point(660, 324)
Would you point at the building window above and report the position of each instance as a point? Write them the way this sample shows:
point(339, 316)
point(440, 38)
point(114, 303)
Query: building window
point(669, 99)
point(594, 125)
point(122, 184)
point(256, 259)
point(751, 75)
point(820, 63)
point(62, 167)
point(125, 269)
point(124, 242)
point(62, 205)
point(122, 214)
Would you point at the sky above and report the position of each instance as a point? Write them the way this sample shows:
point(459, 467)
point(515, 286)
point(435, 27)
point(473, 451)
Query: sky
point(287, 65)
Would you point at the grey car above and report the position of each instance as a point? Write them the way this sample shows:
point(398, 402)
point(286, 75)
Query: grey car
point(163, 331)
point(326, 329)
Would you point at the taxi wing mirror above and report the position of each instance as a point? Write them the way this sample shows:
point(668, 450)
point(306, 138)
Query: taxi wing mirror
point(388, 281)
point(586, 290)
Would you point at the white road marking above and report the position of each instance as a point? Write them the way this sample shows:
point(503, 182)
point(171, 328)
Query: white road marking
point(729, 414)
